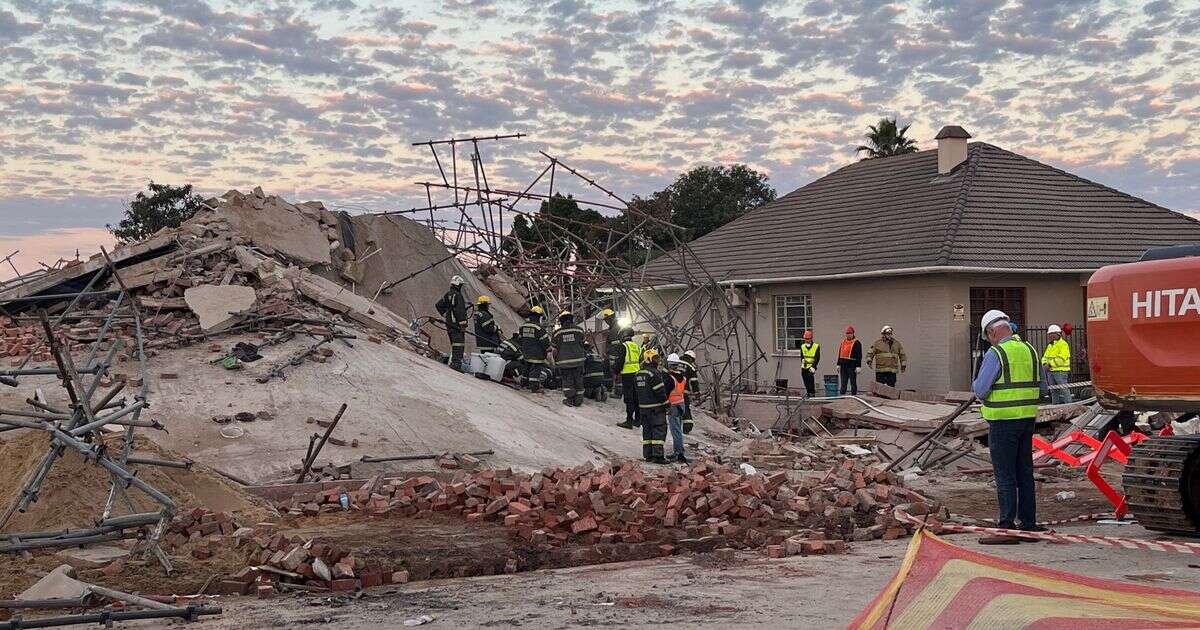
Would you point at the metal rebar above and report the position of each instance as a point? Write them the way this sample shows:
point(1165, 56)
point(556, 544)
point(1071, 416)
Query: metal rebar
point(404, 458)
point(308, 462)
point(189, 613)
point(165, 463)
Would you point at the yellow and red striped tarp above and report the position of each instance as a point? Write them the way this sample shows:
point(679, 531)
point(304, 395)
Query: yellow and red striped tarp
point(940, 585)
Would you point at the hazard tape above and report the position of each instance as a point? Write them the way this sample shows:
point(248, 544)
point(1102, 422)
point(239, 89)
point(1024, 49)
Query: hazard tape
point(1123, 543)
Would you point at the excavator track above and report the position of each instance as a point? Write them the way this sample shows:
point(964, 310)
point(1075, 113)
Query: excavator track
point(1162, 484)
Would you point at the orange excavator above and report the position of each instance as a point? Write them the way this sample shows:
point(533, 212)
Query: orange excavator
point(1143, 328)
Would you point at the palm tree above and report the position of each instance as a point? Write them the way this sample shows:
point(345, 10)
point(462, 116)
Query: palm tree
point(886, 140)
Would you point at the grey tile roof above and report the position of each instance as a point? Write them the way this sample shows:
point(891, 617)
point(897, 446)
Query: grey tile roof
point(997, 209)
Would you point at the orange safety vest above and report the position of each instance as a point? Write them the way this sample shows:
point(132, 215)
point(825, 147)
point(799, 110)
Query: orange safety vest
point(675, 397)
point(847, 348)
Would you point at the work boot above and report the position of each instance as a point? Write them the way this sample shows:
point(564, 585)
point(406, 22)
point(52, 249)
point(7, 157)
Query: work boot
point(658, 459)
point(999, 540)
point(578, 401)
point(625, 425)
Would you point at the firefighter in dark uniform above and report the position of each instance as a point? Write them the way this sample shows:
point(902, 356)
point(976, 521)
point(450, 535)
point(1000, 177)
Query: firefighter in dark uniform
point(628, 355)
point(534, 345)
point(570, 353)
point(612, 339)
point(594, 375)
point(453, 307)
point(692, 393)
point(651, 384)
point(487, 333)
point(510, 351)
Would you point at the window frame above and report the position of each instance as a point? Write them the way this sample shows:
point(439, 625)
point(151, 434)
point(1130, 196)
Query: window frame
point(781, 306)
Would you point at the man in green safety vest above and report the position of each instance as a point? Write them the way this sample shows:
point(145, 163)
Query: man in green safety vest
point(630, 362)
point(1010, 387)
point(810, 358)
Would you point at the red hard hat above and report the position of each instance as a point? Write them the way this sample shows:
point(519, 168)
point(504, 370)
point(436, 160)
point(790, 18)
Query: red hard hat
point(808, 334)
point(850, 330)
point(1067, 328)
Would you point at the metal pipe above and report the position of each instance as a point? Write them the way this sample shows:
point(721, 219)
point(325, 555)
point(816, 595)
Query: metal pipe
point(129, 479)
point(112, 418)
point(932, 434)
point(128, 598)
point(149, 461)
point(64, 542)
point(45, 371)
point(189, 613)
point(405, 458)
point(317, 451)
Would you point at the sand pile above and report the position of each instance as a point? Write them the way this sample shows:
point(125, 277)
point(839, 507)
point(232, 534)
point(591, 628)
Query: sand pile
point(74, 493)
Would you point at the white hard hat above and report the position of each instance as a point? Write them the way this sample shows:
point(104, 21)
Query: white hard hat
point(886, 329)
point(672, 358)
point(1053, 328)
point(990, 318)
point(456, 281)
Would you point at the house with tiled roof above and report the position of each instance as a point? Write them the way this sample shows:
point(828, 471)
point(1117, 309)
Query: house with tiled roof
point(925, 242)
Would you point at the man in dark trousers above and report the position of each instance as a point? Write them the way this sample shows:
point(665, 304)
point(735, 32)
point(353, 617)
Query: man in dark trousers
point(810, 357)
point(651, 383)
point(691, 393)
point(570, 352)
point(612, 339)
point(453, 308)
point(487, 333)
point(1010, 385)
point(630, 360)
point(849, 361)
point(594, 375)
point(534, 345)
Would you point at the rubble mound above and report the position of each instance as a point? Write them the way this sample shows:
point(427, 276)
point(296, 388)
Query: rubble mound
point(75, 491)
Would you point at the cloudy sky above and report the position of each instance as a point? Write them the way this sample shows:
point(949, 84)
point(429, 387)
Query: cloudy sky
point(321, 99)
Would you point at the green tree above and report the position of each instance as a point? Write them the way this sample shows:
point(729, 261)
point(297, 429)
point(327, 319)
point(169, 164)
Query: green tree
point(164, 206)
point(885, 140)
point(707, 197)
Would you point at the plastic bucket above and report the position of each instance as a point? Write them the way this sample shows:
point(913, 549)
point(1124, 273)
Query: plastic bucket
point(474, 364)
point(494, 366)
point(831, 384)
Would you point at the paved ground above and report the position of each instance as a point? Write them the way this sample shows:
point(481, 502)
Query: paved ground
point(754, 592)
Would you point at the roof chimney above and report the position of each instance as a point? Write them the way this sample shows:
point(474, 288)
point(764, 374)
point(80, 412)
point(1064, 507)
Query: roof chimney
point(952, 147)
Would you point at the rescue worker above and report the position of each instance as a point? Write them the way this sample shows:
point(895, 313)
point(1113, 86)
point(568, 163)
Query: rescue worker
point(887, 357)
point(691, 394)
point(810, 357)
point(453, 308)
point(570, 353)
point(630, 361)
point(534, 345)
point(651, 387)
point(612, 338)
point(849, 361)
point(1057, 361)
point(487, 333)
point(1010, 389)
point(676, 405)
point(594, 375)
point(510, 351)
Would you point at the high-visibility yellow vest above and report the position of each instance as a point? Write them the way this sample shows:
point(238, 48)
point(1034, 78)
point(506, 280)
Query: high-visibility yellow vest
point(808, 355)
point(1018, 389)
point(633, 358)
point(1058, 356)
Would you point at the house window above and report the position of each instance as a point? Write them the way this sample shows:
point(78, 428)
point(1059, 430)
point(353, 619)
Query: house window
point(793, 316)
point(1011, 300)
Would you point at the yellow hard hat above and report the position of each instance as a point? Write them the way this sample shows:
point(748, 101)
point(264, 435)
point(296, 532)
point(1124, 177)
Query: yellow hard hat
point(483, 299)
point(650, 355)
point(537, 309)
point(608, 312)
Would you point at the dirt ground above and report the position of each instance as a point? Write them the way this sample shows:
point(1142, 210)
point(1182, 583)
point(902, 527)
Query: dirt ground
point(683, 591)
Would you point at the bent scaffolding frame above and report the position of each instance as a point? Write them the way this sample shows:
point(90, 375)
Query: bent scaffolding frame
point(700, 315)
point(80, 427)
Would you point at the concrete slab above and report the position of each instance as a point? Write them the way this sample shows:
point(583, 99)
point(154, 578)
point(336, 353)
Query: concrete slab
point(58, 583)
point(93, 557)
point(271, 221)
point(213, 304)
point(341, 299)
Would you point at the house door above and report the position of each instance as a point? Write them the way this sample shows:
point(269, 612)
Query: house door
point(1011, 300)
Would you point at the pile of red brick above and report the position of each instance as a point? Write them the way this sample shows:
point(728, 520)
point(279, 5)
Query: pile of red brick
point(625, 504)
point(18, 339)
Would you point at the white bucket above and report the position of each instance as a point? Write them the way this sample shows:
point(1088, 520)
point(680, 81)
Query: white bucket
point(495, 366)
point(475, 364)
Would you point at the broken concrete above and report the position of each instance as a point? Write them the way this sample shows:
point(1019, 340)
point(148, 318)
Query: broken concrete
point(93, 557)
point(57, 584)
point(340, 299)
point(273, 222)
point(215, 304)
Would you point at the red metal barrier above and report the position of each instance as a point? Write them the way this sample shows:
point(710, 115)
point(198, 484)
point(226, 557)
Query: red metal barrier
point(1114, 445)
